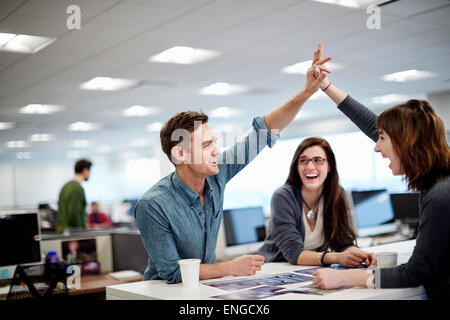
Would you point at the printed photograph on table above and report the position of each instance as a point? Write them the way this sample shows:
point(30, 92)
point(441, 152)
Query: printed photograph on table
point(308, 271)
point(286, 278)
point(312, 289)
point(332, 266)
point(252, 294)
point(275, 280)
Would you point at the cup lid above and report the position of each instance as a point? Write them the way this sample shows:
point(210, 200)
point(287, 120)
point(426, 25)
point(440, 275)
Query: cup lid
point(188, 261)
point(386, 253)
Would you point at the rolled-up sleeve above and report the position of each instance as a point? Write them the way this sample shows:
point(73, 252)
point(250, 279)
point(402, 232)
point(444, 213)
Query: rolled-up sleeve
point(284, 227)
point(234, 159)
point(158, 240)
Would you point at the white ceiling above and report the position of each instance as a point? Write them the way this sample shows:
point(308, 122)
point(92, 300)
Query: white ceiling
point(257, 39)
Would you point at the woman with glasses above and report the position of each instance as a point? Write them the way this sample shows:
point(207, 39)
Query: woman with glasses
point(310, 222)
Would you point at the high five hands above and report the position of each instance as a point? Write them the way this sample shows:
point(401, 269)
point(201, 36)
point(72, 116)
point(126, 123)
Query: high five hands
point(317, 73)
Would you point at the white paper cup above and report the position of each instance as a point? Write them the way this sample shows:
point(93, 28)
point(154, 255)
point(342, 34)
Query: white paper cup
point(190, 272)
point(386, 259)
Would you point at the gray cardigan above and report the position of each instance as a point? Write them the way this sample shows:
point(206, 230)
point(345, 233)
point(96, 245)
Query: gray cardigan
point(429, 264)
point(286, 233)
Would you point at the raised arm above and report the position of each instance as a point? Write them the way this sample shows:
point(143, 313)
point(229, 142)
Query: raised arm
point(359, 114)
point(279, 118)
point(266, 129)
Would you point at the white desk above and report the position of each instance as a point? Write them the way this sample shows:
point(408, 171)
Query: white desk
point(159, 289)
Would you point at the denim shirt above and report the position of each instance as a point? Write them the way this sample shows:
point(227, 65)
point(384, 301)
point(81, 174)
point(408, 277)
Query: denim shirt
point(173, 222)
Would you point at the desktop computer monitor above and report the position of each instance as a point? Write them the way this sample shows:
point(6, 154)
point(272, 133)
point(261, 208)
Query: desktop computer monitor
point(19, 238)
point(372, 212)
point(132, 203)
point(244, 230)
point(406, 206)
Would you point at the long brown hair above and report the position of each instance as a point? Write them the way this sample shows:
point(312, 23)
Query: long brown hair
point(418, 136)
point(337, 225)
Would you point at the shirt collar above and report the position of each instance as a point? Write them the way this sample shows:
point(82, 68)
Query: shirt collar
point(184, 190)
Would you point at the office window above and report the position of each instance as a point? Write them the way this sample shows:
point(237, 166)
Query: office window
point(359, 167)
point(111, 183)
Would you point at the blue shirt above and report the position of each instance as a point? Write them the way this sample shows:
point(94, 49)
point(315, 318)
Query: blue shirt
point(173, 222)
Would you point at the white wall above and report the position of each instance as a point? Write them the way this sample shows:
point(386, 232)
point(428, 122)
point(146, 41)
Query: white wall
point(7, 185)
point(28, 183)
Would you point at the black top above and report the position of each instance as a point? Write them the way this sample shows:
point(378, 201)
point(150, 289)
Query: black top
point(429, 264)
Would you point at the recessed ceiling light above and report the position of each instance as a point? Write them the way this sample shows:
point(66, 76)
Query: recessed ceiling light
point(22, 43)
point(408, 75)
point(41, 108)
point(17, 144)
point(41, 137)
point(302, 67)
point(84, 126)
point(109, 84)
point(396, 98)
point(24, 155)
point(155, 126)
point(350, 3)
point(7, 125)
point(184, 55)
point(5, 37)
point(140, 111)
point(81, 143)
point(225, 112)
point(223, 89)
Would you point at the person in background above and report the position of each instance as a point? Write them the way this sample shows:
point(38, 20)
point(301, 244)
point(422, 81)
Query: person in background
point(72, 200)
point(412, 136)
point(179, 217)
point(309, 214)
point(98, 219)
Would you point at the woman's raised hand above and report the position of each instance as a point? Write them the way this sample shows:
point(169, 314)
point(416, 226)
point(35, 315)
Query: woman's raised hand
point(317, 73)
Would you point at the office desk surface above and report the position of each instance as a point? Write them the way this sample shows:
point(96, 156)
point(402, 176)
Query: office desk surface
point(159, 289)
point(98, 283)
point(88, 284)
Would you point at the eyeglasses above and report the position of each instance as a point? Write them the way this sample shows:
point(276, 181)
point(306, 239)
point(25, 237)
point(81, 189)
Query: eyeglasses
point(317, 161)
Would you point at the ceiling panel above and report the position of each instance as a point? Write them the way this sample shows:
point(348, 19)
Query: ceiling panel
point(256, 38)
point(8, 6)
point(51, 9)
point(410, 8)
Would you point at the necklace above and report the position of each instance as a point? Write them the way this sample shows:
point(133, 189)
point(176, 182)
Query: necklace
point(311, 215)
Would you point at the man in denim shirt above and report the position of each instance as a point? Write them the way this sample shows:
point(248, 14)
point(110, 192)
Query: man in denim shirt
point(179, 217)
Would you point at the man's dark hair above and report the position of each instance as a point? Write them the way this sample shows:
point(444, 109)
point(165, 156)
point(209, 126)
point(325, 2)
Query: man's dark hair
point(182, 120)
point(82, 164)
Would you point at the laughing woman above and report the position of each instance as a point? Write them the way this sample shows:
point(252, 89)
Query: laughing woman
point(309, 216)
point(412, 136)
